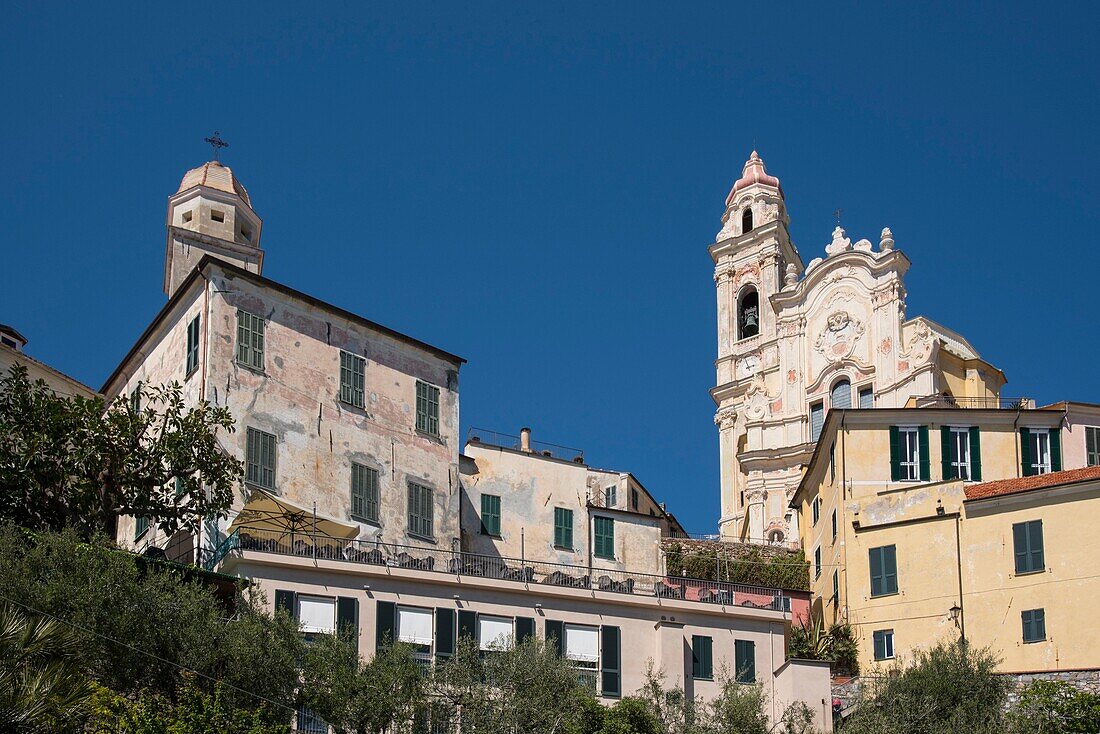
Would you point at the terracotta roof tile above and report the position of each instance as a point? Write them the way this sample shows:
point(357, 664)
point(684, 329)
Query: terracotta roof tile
point(214, 175)
point(1026, 484)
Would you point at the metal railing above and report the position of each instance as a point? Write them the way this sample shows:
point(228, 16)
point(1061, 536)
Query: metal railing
point(542, 448)
point(517, 570)
point(941, 400)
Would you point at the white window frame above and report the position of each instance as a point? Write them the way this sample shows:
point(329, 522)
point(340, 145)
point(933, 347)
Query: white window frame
point(887, 643)
point(317, 601)
point(909, 461)
point(960, 439)
point(1040, 444)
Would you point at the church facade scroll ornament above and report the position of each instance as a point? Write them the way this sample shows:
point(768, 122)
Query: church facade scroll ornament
point(838, 339)
point(725, 418)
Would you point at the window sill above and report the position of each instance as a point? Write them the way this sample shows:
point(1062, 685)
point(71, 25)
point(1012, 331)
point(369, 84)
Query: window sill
point(1030, 573)
point(494, 536)
point(365, 521)
point(567, 548)
point(603, 558)
point(886, 595)
point(189, 374)
point(702, 677)
point(354, 406)
point(254, 370)
point(883, 660)
point(260, 487)
point(142, 534)
point(1033, 642)
point(422, 538)
point(430, 436)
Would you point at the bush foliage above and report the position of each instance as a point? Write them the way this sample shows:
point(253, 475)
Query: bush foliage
point(746, 565)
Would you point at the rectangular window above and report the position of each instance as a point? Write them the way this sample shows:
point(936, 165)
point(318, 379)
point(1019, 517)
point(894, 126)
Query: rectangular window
point(611, 497)
point(135, 398)
point(958, 446)
point(414, 627)
point(1035, 625)
point(605, 537)
point(141, 526)
point(582, 648)
point(702, 660)
point(260, 460)
point(909, 454)
point(490, 515)
point(494, 633)
point(317, 614)
point(420, 510)
point(1092, 446)
point(744, 661)
point(1040, 452)
point(884, 570)
point(352, 369)
point(427, 408)
point(817, 418)
point(884, 644)
point(364, 493)
point(816, 507)
point(817, 562)
point(250, 340)
point(866, 398)
point(192, 346)
point(1027, 541)
point(633, 499)
point(836, 587)
point(563, 528)
point(834, 524)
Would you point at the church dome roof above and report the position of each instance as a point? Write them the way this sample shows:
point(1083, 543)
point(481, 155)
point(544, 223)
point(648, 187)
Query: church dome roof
point(215, 175)
point(753, 173)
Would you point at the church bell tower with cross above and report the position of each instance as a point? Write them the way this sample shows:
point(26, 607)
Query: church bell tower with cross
point(210, 214)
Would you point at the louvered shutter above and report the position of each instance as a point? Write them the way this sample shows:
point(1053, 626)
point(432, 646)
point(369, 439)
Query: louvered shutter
point(525, 629)
point(610, 661)
point(385, 624)
point(946, 449)
point(1025, 453)
point(444, 632)
point(925, 468)
point(975, 454)
point(555, 635)
point(895, 455)
point(1055, 449)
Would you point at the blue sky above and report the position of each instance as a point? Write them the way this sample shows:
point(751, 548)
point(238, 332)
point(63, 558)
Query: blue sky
point(534, 186)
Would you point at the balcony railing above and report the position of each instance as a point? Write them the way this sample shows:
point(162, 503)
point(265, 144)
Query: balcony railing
point(542, 448)
point(989, 403)
point(517, 570)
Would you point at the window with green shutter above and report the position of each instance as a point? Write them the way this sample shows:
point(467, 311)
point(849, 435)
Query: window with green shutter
point(605, 538)
point(702, 663)
point(884, 570)
point(610, 661)
point(490, 515)
point(909, 453)
point(563, 528)
point(884, 644)
point(141, 526)
point(1027, 541)
point(250, 340)
point(135, 398)
point(744, 661)
point(1092, 446)
point(352, 371)
point(365, 498)
point(1040, 451)
point(192, 346)
point(836, 587)
point(817, 562)
point(420, 511)
point(260, 459)
point(427, 408)
point(1035, 625)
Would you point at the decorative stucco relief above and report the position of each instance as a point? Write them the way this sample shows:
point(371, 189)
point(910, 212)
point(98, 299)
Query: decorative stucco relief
point(725, 418)
point(838, 339)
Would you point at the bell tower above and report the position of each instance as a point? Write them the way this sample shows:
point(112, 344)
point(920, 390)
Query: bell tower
point(210, 214)
point(753, 258)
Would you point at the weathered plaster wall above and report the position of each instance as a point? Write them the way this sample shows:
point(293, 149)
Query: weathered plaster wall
point(1079, 416)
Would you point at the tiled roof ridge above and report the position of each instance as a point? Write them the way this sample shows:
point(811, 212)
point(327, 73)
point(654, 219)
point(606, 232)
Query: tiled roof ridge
point(1015, 485)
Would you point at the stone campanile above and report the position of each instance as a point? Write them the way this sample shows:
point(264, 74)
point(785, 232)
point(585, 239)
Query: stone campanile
point(210, 214)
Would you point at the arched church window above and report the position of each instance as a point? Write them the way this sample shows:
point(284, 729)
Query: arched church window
point(775, 537)
point(746, 221)
point(841, 396)
point(748, 314)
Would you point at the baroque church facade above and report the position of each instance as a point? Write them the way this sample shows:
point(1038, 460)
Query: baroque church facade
point(796, 339)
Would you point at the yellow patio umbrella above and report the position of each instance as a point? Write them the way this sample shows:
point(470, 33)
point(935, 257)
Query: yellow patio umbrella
point(265, 511)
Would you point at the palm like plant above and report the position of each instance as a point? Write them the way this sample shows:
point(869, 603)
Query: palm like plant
point(43, 687)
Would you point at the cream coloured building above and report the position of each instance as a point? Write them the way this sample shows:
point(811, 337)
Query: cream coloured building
point(359, 508)
point(928, 524)
point(797, 340)
point(13, 352)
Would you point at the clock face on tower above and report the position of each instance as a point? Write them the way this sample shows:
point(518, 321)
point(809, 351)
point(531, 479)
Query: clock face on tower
point(748, 366)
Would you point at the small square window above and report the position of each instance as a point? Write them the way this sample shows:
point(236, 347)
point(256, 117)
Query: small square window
point(884, 644)
point(217, 216)
point(1035, 625)
point(188, 215)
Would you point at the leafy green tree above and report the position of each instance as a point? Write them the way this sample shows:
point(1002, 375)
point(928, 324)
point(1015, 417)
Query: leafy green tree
point(74, 462)
point(630, 716)
point(42, 685)
point(948, 688)
point(141, 625)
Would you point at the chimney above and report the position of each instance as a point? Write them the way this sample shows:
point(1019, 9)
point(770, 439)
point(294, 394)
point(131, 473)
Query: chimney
point(525, 439)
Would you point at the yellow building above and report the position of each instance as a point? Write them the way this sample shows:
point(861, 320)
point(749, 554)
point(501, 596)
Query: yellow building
point(913, 520)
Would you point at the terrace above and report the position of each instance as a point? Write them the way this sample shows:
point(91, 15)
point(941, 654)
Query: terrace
point(245, 541)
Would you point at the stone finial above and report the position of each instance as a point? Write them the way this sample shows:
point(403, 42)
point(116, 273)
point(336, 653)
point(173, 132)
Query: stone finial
point(790, 277)
point(887, 242)
point(840, 243)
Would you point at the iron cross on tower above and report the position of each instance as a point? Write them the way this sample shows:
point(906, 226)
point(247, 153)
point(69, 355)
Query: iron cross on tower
point(836, 214)
point(216, 143)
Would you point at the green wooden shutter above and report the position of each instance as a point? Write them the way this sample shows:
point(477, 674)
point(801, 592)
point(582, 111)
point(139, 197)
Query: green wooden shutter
point(555, 636)
point(702, 663)
point(890, 569)
point(525, 629)
point(1035, 545)
point(563, 527)
point(925, 470)
point(1025, 453)
point(347, 619)
point(744, 660)
point(876, 572)
point(975, 454)
point(1056, 449)
point(490, 515)
point(946, 447)
point(444, 632)
point(1019, 546)
point(385, 624)
point(610, 654)
point(895, 455)
point(467, 624)
point(284, 602)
